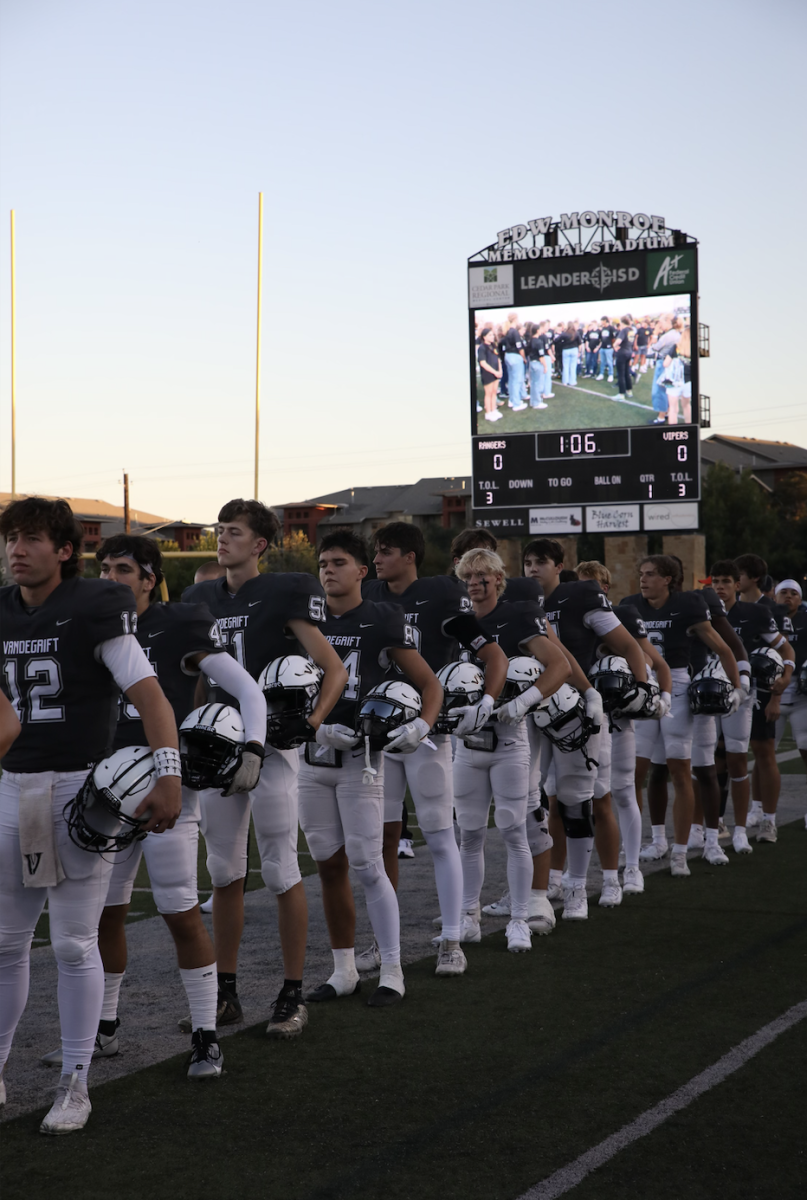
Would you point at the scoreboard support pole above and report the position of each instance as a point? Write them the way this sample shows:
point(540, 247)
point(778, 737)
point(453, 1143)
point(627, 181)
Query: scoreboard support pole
point(691, 549)
point(623, 553)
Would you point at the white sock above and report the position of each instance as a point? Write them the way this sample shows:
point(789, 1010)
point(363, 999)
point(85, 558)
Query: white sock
point(540, 893)
point(678, 849)
point(519, 869)
point(109, 1009)
point(756, 806)
point(769, 816)
point(382, 909)
point(392, 977)
point(630, 823)
point(555, 878)
point(80, 1082)
point(659, 834)
point(711, 837)
point(202, 989)
point(472, 857)
point(578, 852)
point(739, 829)
point(345, 976)
point(448, 877)
point(610, 876)
point(695, 828)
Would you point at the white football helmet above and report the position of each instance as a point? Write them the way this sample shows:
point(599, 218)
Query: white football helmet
point(101, 816)
point(563, 719)
point(386, 707)
point(613, 679)
point(766, 667)
point(523, 671)
point(710, 690)
point(211, 742)
point(463, 684)
point(291, 685)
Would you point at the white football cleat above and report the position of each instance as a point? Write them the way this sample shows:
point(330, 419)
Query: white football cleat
point(611, 895)
point(499, 908)
point(71, 1108)
point(697, 838)
point(369, 959)
point(679, 866)
point(207, 1060)
point(554, 891)
point(519, 937)
point(470, 930)
point(575, 904)
point(450, 959)
point(207, 906)
point(106, 1046)
point(654, 851)
point(406, 848)
point(754, 818)
point(540, 915)
point(632, 881)
point(741, 843)
point(715, 856)
point(767, 831)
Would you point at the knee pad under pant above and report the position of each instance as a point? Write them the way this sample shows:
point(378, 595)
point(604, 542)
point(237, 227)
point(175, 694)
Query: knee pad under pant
point(371, 875)
point(538, 835)
point(578, 819)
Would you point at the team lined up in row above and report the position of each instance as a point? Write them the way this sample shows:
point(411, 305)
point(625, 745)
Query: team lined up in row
point(533, 724)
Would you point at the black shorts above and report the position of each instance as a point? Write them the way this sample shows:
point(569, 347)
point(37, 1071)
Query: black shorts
point(762, 730)
point(488, 377)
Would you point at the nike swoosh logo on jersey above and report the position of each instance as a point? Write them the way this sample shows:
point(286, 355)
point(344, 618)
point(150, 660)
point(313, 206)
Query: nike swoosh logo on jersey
point(67, 622)
point(252, 603)
point(151, 635)
point(565, 598)
point(370, 626)
point(421, 602)
point(501, 626)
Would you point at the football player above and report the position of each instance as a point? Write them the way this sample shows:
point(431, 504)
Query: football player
point(672, 617)
point(794, 698)
point(623, 736)
point(68, 648)
point(756, 624)
point(582, 617)
point(439, 613)
point(261, 617)
point(492, 761)
point(342, 778)
point(706, 785)
point(766, 777)
point(189, 643)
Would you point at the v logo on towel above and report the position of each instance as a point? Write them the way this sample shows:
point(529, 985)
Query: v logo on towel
point(33, 863)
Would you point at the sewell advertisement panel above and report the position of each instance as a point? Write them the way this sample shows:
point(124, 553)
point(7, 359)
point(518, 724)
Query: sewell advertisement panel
point(584, 366)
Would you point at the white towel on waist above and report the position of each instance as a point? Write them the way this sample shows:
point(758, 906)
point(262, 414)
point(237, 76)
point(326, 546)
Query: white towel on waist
point(41, 865)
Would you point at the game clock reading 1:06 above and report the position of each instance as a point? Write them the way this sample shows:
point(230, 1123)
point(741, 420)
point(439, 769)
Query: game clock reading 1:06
point(592, 466)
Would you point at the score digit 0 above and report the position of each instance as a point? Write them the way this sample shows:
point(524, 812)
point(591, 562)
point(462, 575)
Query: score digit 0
point(497, 462)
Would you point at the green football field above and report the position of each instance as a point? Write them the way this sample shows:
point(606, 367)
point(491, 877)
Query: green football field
point(481, 1087)
point(590, 405)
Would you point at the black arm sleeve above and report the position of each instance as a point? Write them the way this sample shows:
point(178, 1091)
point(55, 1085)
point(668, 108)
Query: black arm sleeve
point(467, 631)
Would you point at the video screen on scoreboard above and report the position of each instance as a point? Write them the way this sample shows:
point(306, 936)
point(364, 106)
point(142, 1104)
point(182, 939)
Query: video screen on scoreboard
point(585, 365)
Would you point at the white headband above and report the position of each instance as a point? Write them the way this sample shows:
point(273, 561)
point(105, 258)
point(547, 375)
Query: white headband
point(789, 583)
point(141, 566)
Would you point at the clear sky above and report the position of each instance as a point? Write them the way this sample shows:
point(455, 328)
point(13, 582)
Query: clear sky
point(390, 141)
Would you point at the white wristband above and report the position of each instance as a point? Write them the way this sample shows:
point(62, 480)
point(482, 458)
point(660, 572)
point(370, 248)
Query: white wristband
point(743, 667)
point(166, 762)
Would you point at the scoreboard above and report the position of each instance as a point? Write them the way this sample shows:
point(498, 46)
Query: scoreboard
point(584, 375)
point(590, 466)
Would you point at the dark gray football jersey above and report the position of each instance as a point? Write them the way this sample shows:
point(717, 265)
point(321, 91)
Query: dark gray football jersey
point(514, 623)
point(363, 638)
point(668, 627)
point(253, 622)
point(170, 635)
point(439, 612)
point(64, 696)
point(575, 611)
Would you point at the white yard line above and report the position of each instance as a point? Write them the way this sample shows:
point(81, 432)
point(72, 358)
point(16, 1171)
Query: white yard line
point(602, 396)
point(568, 1177)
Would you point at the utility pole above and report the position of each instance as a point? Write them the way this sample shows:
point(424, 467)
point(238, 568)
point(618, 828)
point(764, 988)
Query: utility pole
point(127, 516)
point(13, 361)
point(258, 344)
